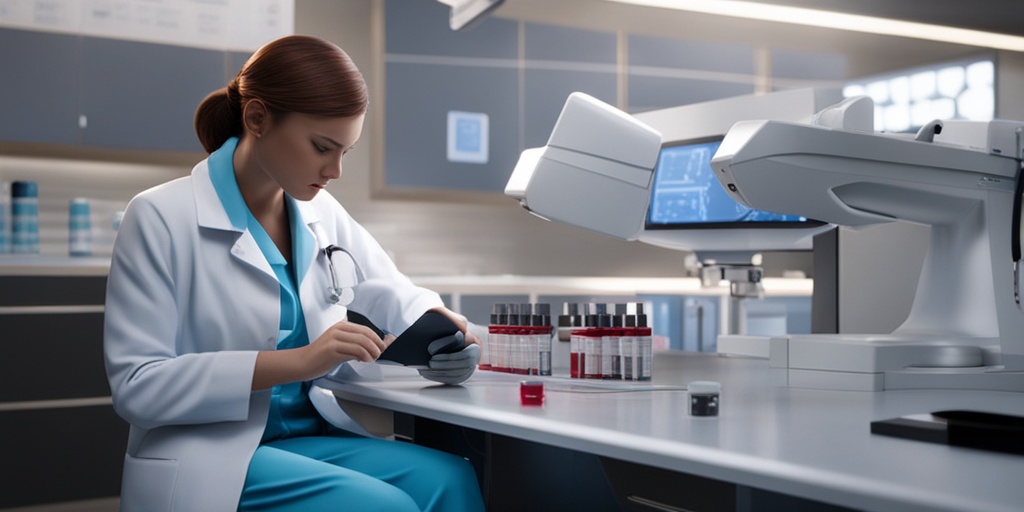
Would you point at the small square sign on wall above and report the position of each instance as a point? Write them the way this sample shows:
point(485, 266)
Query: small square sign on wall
point(467, 137)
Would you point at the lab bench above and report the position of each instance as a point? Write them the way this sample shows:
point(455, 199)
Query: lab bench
point(55, 406)
point(770, 448)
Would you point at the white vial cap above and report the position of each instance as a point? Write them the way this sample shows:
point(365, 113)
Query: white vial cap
point(703, 387)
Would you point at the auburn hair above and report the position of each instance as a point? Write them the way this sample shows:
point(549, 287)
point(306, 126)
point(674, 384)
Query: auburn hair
point(300, 74)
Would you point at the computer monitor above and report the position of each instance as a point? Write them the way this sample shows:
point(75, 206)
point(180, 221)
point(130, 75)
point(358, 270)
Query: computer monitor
point(689, 209)
point(686, 193)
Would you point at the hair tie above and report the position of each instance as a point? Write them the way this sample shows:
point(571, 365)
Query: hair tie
point(234, 96)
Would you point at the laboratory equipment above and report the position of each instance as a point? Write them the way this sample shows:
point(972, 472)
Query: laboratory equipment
point(655, 168)
point(966, 327)
point(690, 211)
point(430, 335)
point(635, 345)
point(531, 392)
point(704, 397)
point(561, 350)
point(542, 338)
point(593, 341)
point(596, 156)
point(466, 13)
point(970, 429)
point(519, 339)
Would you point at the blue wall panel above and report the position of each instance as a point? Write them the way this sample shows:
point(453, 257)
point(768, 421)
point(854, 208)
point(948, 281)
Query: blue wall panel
point(419, 97)
point(696, 55)
point(144, 96)
point(552, 42)
point(420, 27)
point(431, 70)
point(39, 87)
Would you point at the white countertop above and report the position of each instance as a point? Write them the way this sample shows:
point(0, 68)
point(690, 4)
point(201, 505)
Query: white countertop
point(52, 265)
point(808, 443)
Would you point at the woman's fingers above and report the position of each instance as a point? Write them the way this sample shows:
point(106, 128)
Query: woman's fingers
point(357, 341)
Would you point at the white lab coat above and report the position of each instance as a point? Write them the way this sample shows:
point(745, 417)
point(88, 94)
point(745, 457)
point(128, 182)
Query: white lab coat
point(190, 301)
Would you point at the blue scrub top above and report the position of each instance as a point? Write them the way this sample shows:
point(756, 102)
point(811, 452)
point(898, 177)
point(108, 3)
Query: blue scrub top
point(291, 412)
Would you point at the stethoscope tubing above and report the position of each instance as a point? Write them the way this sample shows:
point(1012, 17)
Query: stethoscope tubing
point(335, 292)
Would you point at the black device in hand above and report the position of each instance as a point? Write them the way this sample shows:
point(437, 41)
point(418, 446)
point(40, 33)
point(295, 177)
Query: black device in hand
point(433, 333)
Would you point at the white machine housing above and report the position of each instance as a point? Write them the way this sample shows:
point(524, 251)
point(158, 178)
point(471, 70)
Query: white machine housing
point(466, 13)
point(598, 156)
point(595, 172)
point(966, 326)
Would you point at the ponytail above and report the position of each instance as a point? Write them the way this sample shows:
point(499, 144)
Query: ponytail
point(218, 118)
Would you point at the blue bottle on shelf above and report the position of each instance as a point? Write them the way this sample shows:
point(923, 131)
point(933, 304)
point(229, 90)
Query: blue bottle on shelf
point(5, 216)
point(79, 228)
point(25, 217)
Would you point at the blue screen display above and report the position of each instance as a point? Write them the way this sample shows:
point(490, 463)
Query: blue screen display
point(686, 192)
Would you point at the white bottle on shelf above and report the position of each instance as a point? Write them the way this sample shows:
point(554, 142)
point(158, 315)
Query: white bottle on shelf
point(79, 228)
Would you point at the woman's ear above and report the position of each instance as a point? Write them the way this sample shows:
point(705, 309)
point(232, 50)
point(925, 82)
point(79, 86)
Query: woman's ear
point(255, 117)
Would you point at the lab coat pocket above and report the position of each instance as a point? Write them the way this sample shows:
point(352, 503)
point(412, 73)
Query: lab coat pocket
point(148, 484)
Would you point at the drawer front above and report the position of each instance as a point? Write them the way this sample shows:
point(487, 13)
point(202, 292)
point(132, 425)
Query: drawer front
point(51, 356)
point(641, 488)
point(63, 454)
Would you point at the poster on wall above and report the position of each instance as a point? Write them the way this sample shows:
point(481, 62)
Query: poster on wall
point(231, 25)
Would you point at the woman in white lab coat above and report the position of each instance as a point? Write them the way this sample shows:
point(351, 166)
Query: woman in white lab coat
point(219, 312)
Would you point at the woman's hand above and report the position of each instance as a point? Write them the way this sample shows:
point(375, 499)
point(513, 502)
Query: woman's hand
point(343, 341)
point(455, 368)
point(460, 322)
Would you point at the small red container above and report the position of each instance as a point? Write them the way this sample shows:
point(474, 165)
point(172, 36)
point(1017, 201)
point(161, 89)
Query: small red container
point(531, 392)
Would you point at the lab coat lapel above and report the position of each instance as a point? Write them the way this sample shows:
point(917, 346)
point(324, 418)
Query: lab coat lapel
point(308, 241)
point(248, 251)
point(210, 214)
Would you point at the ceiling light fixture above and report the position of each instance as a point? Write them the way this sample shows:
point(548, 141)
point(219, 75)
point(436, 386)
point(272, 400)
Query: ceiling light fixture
point(840, 21)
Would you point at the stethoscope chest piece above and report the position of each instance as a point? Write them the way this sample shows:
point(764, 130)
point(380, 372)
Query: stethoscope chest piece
point(342, 296)
point(337, 292)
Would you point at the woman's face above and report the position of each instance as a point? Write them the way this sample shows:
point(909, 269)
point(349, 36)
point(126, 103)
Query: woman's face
point(302, 153)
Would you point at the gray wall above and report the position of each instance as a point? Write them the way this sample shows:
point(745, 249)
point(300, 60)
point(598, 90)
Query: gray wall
point(495, 236)
point(430, 237)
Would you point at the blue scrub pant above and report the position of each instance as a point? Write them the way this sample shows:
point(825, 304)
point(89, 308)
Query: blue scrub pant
point(325, 473)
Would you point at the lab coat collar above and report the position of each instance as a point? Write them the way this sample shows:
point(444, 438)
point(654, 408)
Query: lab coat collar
point(212, 212)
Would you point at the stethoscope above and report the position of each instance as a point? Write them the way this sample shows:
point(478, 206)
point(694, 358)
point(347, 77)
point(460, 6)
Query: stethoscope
point(342, 296)
point(336, 294)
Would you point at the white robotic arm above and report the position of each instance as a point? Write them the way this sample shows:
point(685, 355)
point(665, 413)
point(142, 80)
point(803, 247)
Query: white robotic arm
point(594, 173)
point(966, 327)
